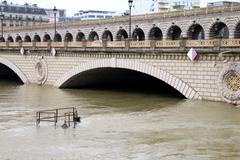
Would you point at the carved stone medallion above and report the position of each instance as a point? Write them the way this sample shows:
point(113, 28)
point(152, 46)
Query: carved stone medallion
point(229, 83)
point(41, 71)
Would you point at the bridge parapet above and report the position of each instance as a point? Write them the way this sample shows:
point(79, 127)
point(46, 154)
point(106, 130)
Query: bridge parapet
point(138, 46)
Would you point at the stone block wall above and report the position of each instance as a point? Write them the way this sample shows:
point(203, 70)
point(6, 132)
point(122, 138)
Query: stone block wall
point(195, 79)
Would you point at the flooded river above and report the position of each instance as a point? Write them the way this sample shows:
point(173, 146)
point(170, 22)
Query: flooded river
point(116, 125)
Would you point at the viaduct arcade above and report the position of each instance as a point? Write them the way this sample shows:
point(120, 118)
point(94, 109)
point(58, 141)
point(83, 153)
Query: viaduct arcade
point(198, 24)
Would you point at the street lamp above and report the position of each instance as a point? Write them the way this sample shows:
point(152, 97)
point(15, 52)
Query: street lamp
point(55, 11)
point(130, 3)
point(2, 18)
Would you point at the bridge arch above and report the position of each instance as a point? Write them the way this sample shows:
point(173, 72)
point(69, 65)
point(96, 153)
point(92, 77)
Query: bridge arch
point(2, 39)
point(27, 38)
point(18, 38)
point(93, 36)
point(57, 38)
point(10, 39)
point(174, 32)
point(80, 36)
point(68, 37)
point(36, 38)
point(138, 34)
point(195, 32)
point(15, 69)
point(237, 31)
point(107, 36)
point(219, 30)
point(155, 33)
point(46, 37)
point(121, 35)
point(181, 86)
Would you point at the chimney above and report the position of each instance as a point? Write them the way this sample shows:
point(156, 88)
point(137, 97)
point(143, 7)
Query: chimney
point(4, 2)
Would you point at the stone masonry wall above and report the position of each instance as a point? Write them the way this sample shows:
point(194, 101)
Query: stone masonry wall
point(202, 75)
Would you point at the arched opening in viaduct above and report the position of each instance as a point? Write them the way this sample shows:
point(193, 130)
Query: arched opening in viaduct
point(2, 39)
point(10, 39)
point(237, 31)
point(18, 39)
point(219, 30)
point(196, 32)
point(121, 35)
point(10, 72)
point(174, 33)
point(68, 37)
point(155, 33)
point(93, 36)
point(27, 38)
point(36, 38)
point(113, 72)
point(120, 79)
point(107, 36)
point(138, 35)
point(46, 38)
point(57, 38)
point(80, 36)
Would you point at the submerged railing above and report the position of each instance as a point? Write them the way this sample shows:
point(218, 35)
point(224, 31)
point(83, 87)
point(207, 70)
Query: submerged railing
point(67, 115)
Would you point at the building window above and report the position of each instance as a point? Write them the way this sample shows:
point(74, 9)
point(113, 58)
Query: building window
point(108, 16)
point(91, 16)
point(99, 16)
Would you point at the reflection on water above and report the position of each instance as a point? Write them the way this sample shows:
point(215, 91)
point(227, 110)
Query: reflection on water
point(116, 125)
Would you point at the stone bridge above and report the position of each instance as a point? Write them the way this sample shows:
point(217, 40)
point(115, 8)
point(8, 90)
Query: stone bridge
point(158, 49)
point(214, 75)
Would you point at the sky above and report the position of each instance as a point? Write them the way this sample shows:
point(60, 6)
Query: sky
point(73, 6)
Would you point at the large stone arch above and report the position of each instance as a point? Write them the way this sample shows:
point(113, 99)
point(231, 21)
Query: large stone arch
point(219, 30)
point(138, 34)
point(80, 36)
point(195, 32)
point(46, 37)
point(174, 32)
point(15, 69)
point(121, 34)
point(57, 38)
point(18, 38)
point(36, 38)
point(93, 36)
point(10, 39)
point(155, 33)
point(181, 86)
point(107, 36)
point(68, 37)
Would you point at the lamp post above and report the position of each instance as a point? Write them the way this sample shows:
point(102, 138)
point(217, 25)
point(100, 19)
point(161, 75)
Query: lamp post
point(130, 3)
point(2, 18)
point(55, 11)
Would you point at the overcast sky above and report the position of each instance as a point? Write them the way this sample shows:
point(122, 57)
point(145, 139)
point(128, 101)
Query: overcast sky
point(73, 6)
